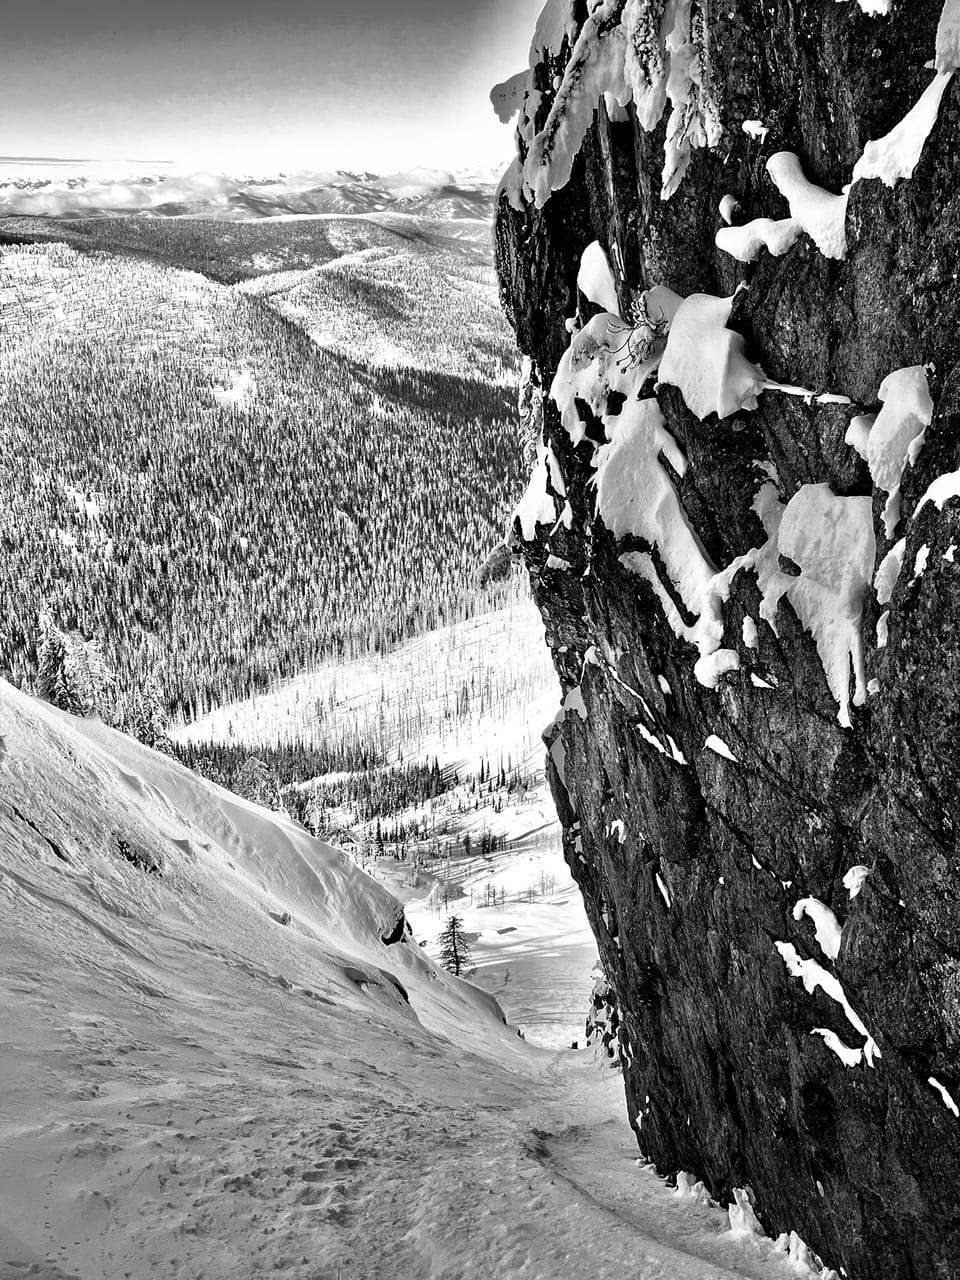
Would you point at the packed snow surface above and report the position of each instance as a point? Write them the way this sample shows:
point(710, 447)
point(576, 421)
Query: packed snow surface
point(405, 700)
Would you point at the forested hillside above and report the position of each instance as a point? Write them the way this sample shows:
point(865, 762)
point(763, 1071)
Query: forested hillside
point(186, 475)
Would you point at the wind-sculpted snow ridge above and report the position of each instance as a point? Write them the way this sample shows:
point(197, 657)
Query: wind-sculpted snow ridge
point(742, 536)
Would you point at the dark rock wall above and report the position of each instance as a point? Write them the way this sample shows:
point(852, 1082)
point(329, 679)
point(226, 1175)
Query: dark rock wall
point(864, 1163)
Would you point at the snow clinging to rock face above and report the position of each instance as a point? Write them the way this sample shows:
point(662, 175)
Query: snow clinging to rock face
point(854, 878)
point(940, 491)
point(896, 436)
point(636, 496)
point(507, 98)
point(706, 360)
point(888, 571)
point(831, 538)
point(945, 1095)
point(645, 52)
point(825, 925)
point(813, 975)
point(556, 23)
point(819, 213)
point(537, 506)
point(595, 279)
point(719, 747)
point(897, 153)
point(744, 243)
point(947, 56)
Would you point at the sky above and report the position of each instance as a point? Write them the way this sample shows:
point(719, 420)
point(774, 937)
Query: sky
point(379, 85)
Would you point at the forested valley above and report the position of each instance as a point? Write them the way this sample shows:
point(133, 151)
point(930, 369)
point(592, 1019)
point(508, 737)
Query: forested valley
point(212, 496)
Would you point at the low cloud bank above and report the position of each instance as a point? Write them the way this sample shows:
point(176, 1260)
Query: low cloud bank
point(34, 192)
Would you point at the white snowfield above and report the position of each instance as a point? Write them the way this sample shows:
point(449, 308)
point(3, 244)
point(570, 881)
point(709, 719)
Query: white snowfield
point(191, 1088)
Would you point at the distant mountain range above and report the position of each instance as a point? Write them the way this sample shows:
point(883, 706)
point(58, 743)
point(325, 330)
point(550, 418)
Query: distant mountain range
point(27, 187)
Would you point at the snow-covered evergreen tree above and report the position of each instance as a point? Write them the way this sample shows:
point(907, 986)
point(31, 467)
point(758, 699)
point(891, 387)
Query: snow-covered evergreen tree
point(72, 672)
point(454, 948)
point(53, 680)
point(146, 717)
point(256, 782)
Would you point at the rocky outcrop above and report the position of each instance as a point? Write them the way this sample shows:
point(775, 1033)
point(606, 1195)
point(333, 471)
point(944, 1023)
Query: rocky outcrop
point(756, 762)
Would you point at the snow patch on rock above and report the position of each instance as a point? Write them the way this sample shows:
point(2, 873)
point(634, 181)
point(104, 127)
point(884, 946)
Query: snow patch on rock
point(940, 491)
point(627, 51)
point(719, 747)
point(947, 56)
point(825, 924)
point(945, 1096)
point(507, 98)
point(706, 360)
point(832, 540)
point(896, 435)
point(728, 207)
point(595, 279)
point(819, 213)
point(813, 975)
point(896, 155)
point(744, 243)
point(853, 879)
point(537, 506)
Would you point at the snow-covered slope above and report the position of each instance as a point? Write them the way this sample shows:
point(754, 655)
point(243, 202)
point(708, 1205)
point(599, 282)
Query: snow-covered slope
point(192, 1088)
point(82, 800)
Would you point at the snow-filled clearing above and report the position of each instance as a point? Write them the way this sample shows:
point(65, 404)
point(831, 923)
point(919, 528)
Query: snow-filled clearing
point(465, 692)
point(192, 1088)
point(242, 388)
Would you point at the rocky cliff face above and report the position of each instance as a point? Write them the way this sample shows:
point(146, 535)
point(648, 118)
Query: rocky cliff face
point(743, 532)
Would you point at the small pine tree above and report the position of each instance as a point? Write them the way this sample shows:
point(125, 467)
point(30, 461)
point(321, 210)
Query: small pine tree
point(454, 948)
